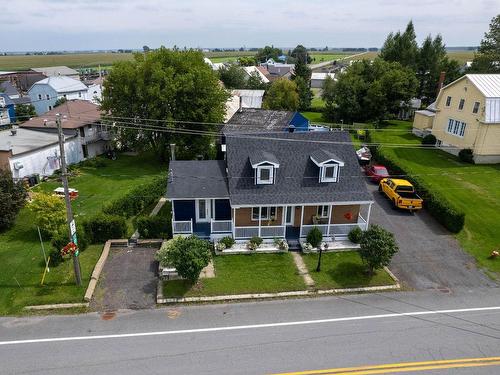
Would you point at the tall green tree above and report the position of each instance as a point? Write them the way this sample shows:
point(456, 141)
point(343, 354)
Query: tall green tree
point(302, 76)
point(304, 92)
point(233, 77)
point(401, 47)
point(268, 52)
point(487, 58)
point(377, 248)
point(12, 198)
point(300, 53)
point(282, 95)
point(254, 82)
point(247, 61)
point(173, 88)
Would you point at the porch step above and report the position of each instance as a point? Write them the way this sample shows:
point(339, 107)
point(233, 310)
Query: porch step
point(293, 245)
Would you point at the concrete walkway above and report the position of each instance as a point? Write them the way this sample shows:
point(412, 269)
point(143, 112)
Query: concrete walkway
point(301, 267)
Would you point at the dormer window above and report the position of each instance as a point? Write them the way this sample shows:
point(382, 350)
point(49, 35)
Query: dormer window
point(265, 175)
point(329, 165)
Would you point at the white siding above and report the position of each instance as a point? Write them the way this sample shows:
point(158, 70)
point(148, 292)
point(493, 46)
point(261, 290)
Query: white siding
point(492, 110)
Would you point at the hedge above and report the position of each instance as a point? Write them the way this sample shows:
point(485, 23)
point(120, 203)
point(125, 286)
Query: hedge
point(102, 227)
point(154, 227)
point(137, 199)
point(438, 205)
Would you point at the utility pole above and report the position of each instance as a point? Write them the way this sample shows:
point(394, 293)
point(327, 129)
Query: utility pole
point(69, 211)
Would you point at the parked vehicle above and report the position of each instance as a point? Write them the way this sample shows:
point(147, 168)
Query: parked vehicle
point(401, 193)
point(376, 172)
point(364, 155)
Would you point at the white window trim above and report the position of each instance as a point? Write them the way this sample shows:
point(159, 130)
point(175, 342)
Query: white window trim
point(335, 177)
point(458, 128)
point(446, 101)
point(321, 211)
point(271, 175)
point(208, 211)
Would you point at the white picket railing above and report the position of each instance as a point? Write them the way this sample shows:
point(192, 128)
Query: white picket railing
point(304, 230)
point(221, 226)
point(246, 232)
point(182, 227)
point(272, 231)
point(341, 231)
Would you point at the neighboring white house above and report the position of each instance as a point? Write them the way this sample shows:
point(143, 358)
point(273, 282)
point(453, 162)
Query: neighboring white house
point(27, 152)
point(243, 99)
point(45, 93)
point(214, 66)
point(55, 71)
point(94, 92)
point(318, 79)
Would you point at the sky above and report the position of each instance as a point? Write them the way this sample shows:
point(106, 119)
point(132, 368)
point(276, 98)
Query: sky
point(38, 25)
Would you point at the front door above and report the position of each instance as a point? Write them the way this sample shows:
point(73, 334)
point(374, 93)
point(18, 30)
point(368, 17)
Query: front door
point(289, 215)
point(203, 210)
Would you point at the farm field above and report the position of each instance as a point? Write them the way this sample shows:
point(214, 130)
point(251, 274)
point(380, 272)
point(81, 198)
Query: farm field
point(460, 56)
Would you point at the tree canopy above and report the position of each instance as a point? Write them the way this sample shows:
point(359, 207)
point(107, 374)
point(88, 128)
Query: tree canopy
point(377, 248)
point(233, 76)
point(401, 47)
point(268, 52)
point(300, 53)
point(12, 198)
point(172, 88)
point(282, 95)
point(24, 112)
point(369, 91)
point(487, 58)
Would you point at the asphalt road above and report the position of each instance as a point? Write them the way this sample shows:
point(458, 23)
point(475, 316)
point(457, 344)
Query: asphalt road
point(429, 257)
point(354, 330)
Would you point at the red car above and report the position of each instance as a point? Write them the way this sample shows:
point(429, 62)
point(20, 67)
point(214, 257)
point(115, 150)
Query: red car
point(376, 172)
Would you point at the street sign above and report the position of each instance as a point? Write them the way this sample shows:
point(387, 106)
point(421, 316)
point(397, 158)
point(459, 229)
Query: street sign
point(74, 239)
point(72, 227)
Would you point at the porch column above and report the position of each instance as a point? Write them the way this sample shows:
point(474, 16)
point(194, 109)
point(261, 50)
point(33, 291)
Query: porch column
point(329, 221)
point(260, 217)
point(283, 220)
point(368, 216)
point(233, 222)
point(173, 218)
point(301, 220)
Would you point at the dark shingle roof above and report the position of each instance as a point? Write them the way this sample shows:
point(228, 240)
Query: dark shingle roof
point(251, 120)
point(197, 179)
point(260, 156)
point(8, 88)
point(22, 100)
point(297, 179)
point(321, 156)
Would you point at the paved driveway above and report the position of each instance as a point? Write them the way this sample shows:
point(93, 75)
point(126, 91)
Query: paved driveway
point(429, 257)
point(128, 280)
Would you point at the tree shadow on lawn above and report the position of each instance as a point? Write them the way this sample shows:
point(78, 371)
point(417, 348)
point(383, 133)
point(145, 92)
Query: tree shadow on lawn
point(350, 274)
point(178, 288)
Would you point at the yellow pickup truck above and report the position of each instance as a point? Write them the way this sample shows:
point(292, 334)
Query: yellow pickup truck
point(401, 193)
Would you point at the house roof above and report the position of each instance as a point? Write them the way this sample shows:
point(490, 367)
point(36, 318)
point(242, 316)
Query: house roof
point(7, 100)
point(297, 179)
point(488, 84)
point(22, 100)
point(259, 156)
point(253, 69)
point(50, 71)
point(322, 76)
point(75, 114)
point(251, 120)
point(62, 84)
point(426, 112)
point(26, 140)
point(197, 179)
point(8, 88)
point(321, 156)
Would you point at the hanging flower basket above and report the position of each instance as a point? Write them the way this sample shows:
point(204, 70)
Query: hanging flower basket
point(69, 249)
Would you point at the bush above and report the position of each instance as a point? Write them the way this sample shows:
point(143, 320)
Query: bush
point(378, 246)
point(55, 258)
point(12, 199)
point(154, 227)
point(466, 155)
point(281, 244)
point(101, 228)
point(255, 242)
point(355, 235)
point(228, 241)
point(314, 237)
point(60, 239)
point(189, 255)
point(438, 206)
point(137, 199)
point(49, 212)
point(429, 140)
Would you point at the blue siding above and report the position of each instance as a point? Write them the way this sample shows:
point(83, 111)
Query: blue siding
point(222, 209)
point(184, 210)
point(42, 105)
point(300, 122)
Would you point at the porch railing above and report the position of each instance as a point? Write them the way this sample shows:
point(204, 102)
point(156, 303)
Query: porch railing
point(221, 226)
point(182, 227)
point(304, 230)
point(246, 232)
point(272, 231)
point(340, 231)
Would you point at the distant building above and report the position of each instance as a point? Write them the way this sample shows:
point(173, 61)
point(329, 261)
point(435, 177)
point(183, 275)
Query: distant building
point(243, 99)
point(214, 66)
point(318, 79)
point(6, 87)
point(252, 70)
point(79, 117)
point(278, 70)
point(46, 92)
point(407, 109)
point(56, 71)
point(249, 120)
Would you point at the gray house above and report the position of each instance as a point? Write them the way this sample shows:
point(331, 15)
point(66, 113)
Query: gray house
point(272, 185)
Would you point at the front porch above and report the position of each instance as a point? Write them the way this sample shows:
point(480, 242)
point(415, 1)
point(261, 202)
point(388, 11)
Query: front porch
point(293, 223)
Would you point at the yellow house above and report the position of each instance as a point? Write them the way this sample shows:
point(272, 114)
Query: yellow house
point(468, 116)
point(423, 120)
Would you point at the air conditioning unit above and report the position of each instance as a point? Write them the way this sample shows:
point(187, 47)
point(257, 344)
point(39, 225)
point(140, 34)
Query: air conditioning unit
point(18, 165)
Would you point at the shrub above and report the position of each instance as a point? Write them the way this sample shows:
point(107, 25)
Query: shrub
point(101, 228)
point(307, 247)
point(281, 244)
point(12, 198)
point(439, 206)
point(154, 227)
point(49, 212)
point(189, 255)
point(355, 235)
point(254, 243)
point(55, 258)
point(228, 241)
point(377, 248)
point(60, 239)
point(429, 140)
point(137, 199)
point(219, 246)
point(466, 155)
point(314, 237)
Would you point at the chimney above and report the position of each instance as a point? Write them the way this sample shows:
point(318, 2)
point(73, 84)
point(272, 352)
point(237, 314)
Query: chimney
point(240, 109)
point(441, 82)
point(172, 151)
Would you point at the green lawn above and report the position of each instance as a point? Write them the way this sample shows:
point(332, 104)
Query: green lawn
point(475, 189)
point(343, 270)
point(322, 57)
point(240, 274)
point(316, 117)
point(21, 259)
